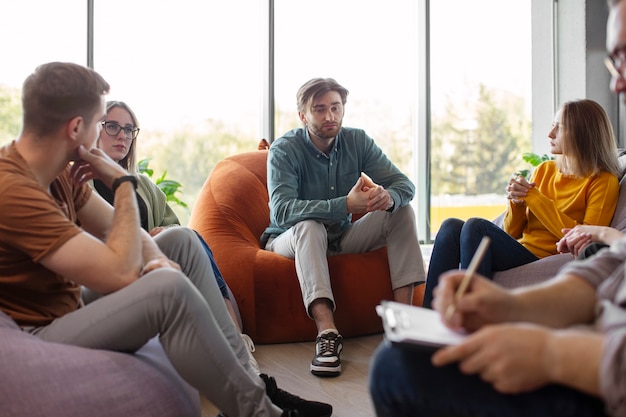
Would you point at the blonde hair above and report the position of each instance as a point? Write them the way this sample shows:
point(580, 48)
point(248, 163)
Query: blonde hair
point(589, 145)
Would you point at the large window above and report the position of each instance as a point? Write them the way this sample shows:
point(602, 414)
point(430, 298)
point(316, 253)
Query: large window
point(480, 104)
point(193, 71)
point(369, 47)
point(31, 37)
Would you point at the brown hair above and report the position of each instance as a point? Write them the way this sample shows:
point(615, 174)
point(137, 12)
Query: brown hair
point(56, 92)
point(317, 87)
point(130, 160)
point(589, 145)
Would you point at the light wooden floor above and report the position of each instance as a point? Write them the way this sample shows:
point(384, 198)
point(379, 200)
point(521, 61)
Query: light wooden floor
point(289, 364)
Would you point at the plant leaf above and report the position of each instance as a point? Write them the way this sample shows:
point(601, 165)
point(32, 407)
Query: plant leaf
point(169, 187)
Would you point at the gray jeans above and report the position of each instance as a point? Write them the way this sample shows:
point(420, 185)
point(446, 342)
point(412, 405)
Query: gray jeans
point(187, 311)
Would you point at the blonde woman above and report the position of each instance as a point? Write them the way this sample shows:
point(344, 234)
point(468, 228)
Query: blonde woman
point(579, 187)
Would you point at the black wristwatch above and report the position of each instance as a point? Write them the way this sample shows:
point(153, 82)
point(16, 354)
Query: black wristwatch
point(122, 179)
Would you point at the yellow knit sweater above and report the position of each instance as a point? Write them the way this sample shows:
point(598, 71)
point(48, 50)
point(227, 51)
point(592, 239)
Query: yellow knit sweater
point(560, 201)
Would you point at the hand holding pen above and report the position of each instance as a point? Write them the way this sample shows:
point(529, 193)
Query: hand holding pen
point(470, 306)
point(469, 273)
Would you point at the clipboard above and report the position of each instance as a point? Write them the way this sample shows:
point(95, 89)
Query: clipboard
point(416, 325)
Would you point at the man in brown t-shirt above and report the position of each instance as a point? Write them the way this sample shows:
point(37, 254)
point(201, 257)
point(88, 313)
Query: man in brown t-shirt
point(162, 286)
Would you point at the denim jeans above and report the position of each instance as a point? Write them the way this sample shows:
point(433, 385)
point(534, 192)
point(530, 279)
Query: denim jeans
point(456, 243)
point(221, 283)
point(404, 383)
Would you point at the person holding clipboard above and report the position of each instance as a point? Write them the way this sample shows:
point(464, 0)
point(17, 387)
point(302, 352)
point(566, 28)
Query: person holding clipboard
point(552, 349)
point(421, 326)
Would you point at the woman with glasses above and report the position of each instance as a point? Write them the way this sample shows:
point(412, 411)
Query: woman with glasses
point(118, 139)
point(579, 187)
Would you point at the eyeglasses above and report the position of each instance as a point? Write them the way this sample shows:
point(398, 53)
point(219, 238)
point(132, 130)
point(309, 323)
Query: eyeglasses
point(615, 62)
point(613, 65)
point(113, 129)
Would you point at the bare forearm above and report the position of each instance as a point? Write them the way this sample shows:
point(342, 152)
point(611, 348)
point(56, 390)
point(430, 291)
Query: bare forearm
point(125, 235)
point(149, 249)
point(574, 357)
point(557, 303)
point(608, 235)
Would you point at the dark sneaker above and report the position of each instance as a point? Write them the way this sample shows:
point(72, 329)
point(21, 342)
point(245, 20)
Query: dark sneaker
point(327, 360)
point(286, 413)
point(292, 403)
point(290, 413)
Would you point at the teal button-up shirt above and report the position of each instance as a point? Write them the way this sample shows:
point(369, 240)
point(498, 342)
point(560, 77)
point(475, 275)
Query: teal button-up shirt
point(306, 184)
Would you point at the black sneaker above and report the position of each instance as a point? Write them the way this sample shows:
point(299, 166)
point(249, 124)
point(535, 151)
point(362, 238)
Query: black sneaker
point(286, 413)
point(290, 413)
point(292, 403)
point(327, 360)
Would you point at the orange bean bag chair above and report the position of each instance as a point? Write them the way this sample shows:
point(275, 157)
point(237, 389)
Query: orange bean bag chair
point(231, 214)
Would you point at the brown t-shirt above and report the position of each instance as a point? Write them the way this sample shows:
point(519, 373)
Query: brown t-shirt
point(33, 224)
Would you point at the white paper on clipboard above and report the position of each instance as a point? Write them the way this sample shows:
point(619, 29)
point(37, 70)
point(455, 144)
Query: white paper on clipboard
point(416, 325)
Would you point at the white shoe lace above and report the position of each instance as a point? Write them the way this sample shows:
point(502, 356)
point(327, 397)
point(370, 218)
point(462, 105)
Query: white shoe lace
point(249, 342)
point(250, 346)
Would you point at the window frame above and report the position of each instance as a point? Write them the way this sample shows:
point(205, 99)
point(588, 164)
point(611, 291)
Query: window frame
point(545, 16)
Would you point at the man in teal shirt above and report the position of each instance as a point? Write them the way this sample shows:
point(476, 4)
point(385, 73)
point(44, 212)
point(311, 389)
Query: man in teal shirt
point(318, 176)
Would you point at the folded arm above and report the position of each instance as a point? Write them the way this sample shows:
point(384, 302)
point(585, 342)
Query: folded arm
point(576, 239)
point(107, 255)
point(517, 358)
point(112, 250)
point(520, 341)
point(600, 203)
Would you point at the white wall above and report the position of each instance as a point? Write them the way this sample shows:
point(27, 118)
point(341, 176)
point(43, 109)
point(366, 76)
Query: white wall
point(543, 76)
point(568, 62)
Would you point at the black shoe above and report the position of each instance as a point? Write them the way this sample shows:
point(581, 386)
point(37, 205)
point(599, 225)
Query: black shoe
point(327, 360)
point(292, 403)
point(286, 413)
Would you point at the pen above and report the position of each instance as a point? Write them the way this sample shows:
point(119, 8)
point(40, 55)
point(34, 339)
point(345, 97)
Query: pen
point(471, 270)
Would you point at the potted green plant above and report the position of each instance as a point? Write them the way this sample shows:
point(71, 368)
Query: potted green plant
point(534, 160)
point(169, 187)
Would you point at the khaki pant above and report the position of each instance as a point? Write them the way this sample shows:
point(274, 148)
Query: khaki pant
point(187, 311)
point(307, 244)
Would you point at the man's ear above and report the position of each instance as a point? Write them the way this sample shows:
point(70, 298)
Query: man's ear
point(302, 117)
point(73, 127)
